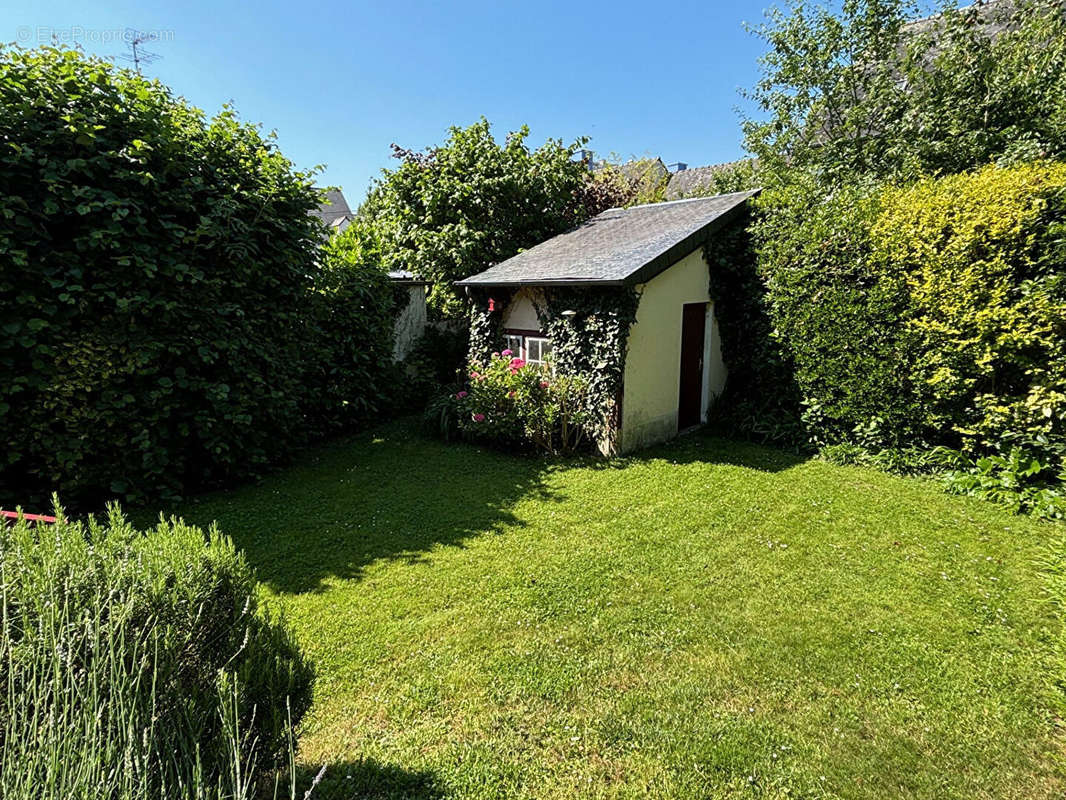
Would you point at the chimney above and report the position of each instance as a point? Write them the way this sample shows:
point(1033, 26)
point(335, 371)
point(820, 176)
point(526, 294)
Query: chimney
point(585, 157)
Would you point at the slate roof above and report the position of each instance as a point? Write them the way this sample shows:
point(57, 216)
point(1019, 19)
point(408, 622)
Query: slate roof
point(621, 246)
point(406, 276)
point(334, 212)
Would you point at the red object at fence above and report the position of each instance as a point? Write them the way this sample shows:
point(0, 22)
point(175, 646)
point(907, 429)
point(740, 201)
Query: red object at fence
point(30, 517)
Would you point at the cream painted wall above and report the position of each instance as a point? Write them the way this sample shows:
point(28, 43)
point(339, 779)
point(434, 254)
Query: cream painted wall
point(521, 314)
point(653, 360)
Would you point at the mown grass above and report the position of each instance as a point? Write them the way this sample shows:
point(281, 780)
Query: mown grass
point(709, 619)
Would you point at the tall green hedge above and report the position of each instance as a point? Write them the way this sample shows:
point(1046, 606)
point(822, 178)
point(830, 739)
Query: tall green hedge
point(928, 314)
point(168, 320)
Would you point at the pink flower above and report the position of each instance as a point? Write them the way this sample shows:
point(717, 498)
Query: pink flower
point(474, 376)
point(507, 353)
point(517, 363)
point(543, 385)
point(497, 355)
point(461, 395)
point(479, 417)
point(510, 393)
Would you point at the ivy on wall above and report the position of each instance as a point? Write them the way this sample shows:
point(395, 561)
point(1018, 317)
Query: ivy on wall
point(761, 397)
point(589, 330)
point(486, 321)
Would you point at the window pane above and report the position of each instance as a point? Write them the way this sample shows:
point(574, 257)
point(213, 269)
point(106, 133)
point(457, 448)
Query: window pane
point(537, 349)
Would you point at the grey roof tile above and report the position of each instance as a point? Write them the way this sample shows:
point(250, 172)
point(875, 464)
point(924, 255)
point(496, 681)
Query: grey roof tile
point(619, 246)
point(335, 207)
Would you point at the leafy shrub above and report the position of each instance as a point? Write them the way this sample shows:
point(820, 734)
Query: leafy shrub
point(1017, 480)
point(838, 318)
point(437, 359)
point(168, 323)
point(512, 403)
point(348, 372)
point(138, 665)
point(983, 259)
point(441, 414)
point(912, 460)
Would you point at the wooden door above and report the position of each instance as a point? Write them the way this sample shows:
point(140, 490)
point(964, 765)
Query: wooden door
point(690, 400)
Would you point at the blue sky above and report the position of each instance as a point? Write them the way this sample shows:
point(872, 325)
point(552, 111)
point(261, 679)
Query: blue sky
point(340, 82)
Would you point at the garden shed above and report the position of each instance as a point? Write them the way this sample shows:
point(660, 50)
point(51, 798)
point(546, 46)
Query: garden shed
point(624, 299)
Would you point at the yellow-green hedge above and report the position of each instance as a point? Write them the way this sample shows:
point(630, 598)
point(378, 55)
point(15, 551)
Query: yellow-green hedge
point(982, 256)
point(928, 314)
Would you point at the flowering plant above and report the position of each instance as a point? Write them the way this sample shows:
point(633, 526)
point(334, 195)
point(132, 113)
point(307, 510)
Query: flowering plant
point(511, 402)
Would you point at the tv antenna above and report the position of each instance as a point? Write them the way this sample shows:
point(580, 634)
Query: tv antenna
point(135, 41)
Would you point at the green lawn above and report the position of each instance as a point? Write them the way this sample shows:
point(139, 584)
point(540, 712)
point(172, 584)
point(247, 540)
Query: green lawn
point(709, 619)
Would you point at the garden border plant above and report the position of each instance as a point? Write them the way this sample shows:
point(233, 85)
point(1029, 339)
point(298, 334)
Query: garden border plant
point(140, 664)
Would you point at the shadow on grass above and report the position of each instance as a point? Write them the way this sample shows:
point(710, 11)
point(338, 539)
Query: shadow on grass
point(704, 446)
point(367, 779)
point(394, 493)
point(391, 493)
point(707, 445)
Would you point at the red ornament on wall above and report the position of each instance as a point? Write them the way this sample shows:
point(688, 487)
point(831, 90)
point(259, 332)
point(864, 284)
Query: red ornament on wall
point(492, 304)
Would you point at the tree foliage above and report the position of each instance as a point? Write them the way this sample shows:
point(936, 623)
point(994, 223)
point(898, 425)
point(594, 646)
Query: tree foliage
point(454, 210)
point(868, 91)
point(168, 321)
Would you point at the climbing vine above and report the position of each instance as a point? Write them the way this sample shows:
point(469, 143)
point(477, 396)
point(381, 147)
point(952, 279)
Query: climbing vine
point(486, 321)
point(761, 398)
point(589, 330)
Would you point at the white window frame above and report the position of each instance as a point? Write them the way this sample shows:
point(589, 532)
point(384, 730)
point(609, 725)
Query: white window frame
point(523, 338)
point(515, 341)
point(542, 341)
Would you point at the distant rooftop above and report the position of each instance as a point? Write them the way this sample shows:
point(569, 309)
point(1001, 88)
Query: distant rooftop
point(334, 212)
point(692, 181)
point(621, 246)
